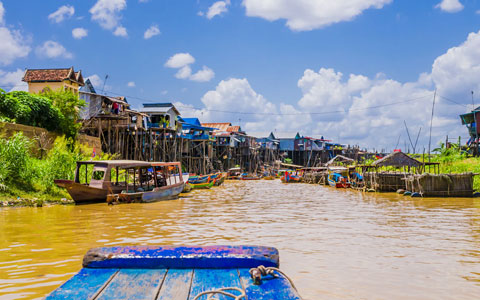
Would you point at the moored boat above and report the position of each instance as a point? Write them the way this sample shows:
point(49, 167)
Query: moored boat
point(234, 173)
point(94, 180)
point(205, 185)
point(290, 178)
point(338, 177)
point(246, 176)
point(180, 273)
point(156, 182)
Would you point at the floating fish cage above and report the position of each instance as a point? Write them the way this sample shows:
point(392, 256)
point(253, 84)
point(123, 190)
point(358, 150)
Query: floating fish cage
point(385, 181)
point(441, 185)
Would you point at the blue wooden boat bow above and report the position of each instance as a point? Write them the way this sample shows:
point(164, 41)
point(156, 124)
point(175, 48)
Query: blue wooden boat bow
point(183, 273)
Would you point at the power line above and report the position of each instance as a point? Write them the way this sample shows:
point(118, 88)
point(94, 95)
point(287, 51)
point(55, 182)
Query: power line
point(281, 114)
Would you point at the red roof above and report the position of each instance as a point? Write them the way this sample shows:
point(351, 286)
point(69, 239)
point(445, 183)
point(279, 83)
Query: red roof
point(233, 129)
point(53, 75)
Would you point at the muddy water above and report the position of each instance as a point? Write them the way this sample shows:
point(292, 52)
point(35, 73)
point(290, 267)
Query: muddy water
point(334, 244)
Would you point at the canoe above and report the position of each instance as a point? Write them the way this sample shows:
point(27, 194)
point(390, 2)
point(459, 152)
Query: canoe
point(180, 273)
point(199, 179)
point(219, 181)
point(337, 180)
point(205, 185)
point(268, 178)
point(187, 188)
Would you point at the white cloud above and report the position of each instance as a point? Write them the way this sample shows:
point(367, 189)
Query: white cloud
point(182, 61)
point(108, 14)
point(13, 45)
point(143, 1)
point(120, 31)
point(12, 81)
point(2, 14)
point(52, 49)
point(310, 14)
point(79, 33)
point(456, 72)
point(151, 32)
point(450, 6)
point(356, 109)
point(184, 72)
point(62, 13)
point(179, 60)
point(203, 75)
point(131, 84)
point(96, 81)
point(217, 9)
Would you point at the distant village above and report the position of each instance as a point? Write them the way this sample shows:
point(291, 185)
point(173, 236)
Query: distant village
point(158, 132)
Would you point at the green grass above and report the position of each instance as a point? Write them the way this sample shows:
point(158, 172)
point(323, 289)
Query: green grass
point(29, 180)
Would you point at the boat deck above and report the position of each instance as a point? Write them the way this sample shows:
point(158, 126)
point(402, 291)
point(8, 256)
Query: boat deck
point(182, 273)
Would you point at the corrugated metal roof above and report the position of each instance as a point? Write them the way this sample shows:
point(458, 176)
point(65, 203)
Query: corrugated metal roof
point(218, 126)
point(155, 109)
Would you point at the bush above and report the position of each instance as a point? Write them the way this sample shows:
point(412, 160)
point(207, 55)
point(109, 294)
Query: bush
point(14, 160)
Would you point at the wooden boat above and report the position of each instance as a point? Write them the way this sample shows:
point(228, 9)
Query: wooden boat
point(156, 182)
point(205, 185)
point(187, 188)
point(290, 178)
point(199, 179)
point(220, 179)
point(268, 178)
point(249, 177)
point(94, 180)
point(180, 273)
point(234, 173)
point(338, 178)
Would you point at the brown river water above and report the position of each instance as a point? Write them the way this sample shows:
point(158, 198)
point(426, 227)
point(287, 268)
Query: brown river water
point(334, 244)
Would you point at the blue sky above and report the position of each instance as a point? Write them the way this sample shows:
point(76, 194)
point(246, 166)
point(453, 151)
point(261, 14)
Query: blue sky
point(279, 60)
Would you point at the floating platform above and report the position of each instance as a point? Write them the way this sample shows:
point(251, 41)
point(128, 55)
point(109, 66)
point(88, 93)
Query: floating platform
point(178, 273)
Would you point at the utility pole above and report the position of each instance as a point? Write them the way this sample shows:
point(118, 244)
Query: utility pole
point(431, 123)
point(104, 82)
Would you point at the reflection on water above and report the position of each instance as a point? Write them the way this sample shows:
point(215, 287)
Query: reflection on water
point(335, 244)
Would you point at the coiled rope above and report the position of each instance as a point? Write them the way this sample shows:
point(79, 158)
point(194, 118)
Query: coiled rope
point(222, 291)
point(256, 274)
point(260, 271)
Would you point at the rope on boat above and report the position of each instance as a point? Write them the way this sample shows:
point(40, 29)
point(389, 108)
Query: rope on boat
point(256, 274)
point(222, 291)
point(260, 271)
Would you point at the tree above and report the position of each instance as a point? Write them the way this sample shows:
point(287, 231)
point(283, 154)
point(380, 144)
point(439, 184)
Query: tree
point(69, 105)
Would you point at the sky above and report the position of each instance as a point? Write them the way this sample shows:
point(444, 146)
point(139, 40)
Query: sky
point(353, 71)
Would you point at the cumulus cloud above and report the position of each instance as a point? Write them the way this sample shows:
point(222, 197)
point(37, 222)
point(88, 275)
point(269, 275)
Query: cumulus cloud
point(310, 14)
point(450, 6)
point(217, 9)
point(179, 60)
point(357, 109)
point(52, 49)
point(120, 31)
point(151, 32)
point(182, 62)
point(62, 13)
point(79, 33)
point(184, 72)
point(2, 14)
point(12, 81)
point(13, 44)
point(203, 75)
point(108, 14)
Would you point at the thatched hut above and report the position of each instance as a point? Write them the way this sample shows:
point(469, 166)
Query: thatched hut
point(397, 167)
point(339, 160)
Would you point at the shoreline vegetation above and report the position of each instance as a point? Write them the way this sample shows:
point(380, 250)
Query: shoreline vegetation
point(28, 170)
point(27, 167)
